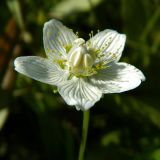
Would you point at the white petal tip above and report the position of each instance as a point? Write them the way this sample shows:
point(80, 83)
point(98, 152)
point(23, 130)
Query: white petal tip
point(17, 64)
point(123, 36)
point(79, 93)
point(52, 21)
point(143, 78)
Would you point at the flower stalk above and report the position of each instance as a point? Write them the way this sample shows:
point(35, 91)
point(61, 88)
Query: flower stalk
point(86, 115)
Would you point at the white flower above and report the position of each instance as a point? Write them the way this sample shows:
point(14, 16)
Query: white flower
point(82, 71)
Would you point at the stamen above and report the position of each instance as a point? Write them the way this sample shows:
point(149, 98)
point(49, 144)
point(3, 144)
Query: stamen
point(60, 62)
point(111, 57)
point(91, 33)
point(67, 48)
point(55, 90)
point(90, 37)
point(77, 34)
point(70, 77)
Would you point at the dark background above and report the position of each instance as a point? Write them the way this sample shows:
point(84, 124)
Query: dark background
point(36, 124)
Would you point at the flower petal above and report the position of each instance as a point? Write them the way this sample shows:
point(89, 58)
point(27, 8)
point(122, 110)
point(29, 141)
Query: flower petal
point(118, 78)
point(56, 37)
point(109, 45)
point(40, 69)
point(80, 93)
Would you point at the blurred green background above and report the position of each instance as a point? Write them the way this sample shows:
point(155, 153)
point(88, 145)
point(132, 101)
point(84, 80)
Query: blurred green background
point(36, 124)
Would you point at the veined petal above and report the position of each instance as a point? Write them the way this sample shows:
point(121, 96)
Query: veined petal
point(56, 37)
point(80, 93)
point(109, 45)
point(40, 69)
point(118, 78)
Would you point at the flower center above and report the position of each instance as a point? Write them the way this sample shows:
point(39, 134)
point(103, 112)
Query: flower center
point(80, 59)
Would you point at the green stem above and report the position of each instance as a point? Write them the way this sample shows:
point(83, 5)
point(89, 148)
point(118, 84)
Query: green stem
point(151, 23)
point(84, 134)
